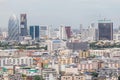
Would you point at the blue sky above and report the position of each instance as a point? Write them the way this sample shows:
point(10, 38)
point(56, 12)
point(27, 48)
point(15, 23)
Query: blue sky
point(61, 12)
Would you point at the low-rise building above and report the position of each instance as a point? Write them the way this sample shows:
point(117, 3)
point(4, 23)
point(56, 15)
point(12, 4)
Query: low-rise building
point(49, 74)
point(73, 77)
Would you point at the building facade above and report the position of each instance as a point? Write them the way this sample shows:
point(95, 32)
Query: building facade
point(44, 32)
point(16, 61)
point(68, 31)
point(13, 28)
point(23, 25)
point(105, 28)
point(35, 32)
point(62, 33)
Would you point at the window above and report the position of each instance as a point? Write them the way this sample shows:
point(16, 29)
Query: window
point(30, 61)
point(13, 61)
point(18, 61)
point(22, 61)
point(3, 62)
point(0, 62)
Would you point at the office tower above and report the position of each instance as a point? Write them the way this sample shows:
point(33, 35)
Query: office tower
point(91, 33)
point(13, 28)
point(23, 25)
point(44, 32)
point(35, 32)
point(55, 33)
point(68, 31)
point(105, 28)
point(62, 33)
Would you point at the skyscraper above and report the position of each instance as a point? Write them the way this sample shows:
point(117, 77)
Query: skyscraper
point(62, 33)
point(35, 32)
point(13, 28)
point(23, 25)
point(44, 32)
point(68, 31)
point(105, 28)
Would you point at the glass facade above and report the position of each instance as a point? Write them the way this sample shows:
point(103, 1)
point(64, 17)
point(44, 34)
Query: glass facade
point(32, 32)
point(13, 28)
point(23, 25)
point(35, 32)
point(105, 31)
point(68, 31)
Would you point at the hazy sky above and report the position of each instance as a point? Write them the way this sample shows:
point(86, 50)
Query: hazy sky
point(61, 12)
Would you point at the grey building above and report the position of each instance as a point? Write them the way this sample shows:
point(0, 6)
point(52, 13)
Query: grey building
point(75, 46)
point(23, 25)
point(49, 74)
point(105, 28)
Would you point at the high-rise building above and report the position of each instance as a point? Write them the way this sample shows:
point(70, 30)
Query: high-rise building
point(13, 28)
point(62, 33)
point(35, 32)
point(68, 31)
point(89, 34)
point(44, 32)
point(105, 28)
point(55, 33)
point(23, 25)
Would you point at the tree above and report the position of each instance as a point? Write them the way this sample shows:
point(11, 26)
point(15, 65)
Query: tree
point(37, 77)
point(46, 47)
point(94, 74)
point(119, 78)
point(23, 75)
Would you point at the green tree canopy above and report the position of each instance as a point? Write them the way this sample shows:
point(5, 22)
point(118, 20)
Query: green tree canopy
point(38, 77)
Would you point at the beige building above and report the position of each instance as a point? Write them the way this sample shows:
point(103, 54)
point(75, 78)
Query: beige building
point(65, 60)
point(88, 65)
point(66, 77)
point(79, 78)
point(84, 54)
point(100, 52)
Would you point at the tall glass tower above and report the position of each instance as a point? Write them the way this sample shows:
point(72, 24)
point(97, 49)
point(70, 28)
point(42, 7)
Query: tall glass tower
point(35, 32)
point(13, 28)
point(105, 28)
point(23, 25)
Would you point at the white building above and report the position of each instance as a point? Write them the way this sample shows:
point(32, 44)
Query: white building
point(55, 44)
point(88, 34)
point(55, 34)
point(5, 34)
point(44, 32)
point(16, 61)
point(49, 74)
point(62, 33)
point(99, 52)
point(112, 53)
point(116, 37)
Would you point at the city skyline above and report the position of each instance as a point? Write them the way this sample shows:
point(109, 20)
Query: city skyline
point(67, 12)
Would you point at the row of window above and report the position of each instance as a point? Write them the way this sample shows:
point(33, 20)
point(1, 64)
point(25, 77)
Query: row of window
point(15, 61)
